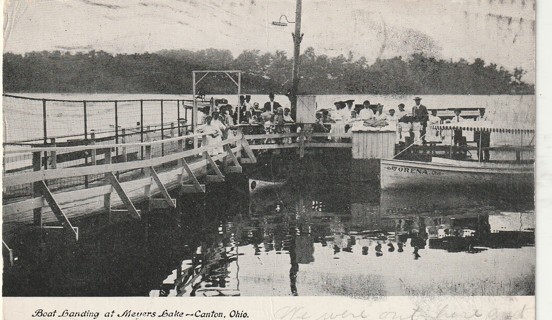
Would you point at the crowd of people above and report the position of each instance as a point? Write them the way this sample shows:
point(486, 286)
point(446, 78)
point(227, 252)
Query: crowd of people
point(416, 124)
point(222, 121)
point(412, 126)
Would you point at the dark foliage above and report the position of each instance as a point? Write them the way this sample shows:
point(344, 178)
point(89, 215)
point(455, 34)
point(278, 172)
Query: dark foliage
point(170, 71)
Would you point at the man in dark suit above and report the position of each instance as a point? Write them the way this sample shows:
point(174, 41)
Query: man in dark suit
point(271, 105)
point(420, 114)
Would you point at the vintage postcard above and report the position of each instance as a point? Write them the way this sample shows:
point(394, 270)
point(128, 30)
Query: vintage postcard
point(352, 159)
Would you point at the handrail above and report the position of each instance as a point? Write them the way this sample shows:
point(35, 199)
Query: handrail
point(293, 135)
point(33, 176)
point(66, 172)
point(156, 128)
point(94, 101)
point(102, 146)
point(168, 140)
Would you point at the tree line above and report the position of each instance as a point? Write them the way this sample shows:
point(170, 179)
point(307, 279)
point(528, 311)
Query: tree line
point(170, 72)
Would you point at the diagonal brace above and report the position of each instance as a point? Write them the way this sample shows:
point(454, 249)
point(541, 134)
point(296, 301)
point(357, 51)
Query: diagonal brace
point(191, 175)
point(232, 155)
point(248, 151)
point(214, 166)
point(56, 209)
point(122, 194)
point(162, 188)
point(231, 78)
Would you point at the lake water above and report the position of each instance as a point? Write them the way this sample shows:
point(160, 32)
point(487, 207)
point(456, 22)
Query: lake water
point(317, 234)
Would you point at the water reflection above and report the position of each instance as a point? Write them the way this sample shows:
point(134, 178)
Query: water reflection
point(302, 238)
point(311, 223)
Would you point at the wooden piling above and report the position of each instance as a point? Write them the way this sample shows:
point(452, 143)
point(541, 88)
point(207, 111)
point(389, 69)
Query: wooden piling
point(37, 212)
point(147, 172)
point(107, 196)
point(53, 155)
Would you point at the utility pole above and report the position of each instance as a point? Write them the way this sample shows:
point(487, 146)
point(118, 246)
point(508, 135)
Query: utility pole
point(297, 37)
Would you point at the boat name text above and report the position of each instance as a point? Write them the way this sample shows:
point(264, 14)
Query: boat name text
point(414, 170)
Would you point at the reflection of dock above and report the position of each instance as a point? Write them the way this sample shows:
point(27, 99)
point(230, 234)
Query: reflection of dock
point(207, 274)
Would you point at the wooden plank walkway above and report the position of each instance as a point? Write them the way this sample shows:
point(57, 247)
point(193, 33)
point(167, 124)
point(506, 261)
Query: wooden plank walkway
point(180, 169)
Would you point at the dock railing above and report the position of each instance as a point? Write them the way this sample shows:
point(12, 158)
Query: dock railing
point(68, 119)
point(51, 190)
point(142, 178)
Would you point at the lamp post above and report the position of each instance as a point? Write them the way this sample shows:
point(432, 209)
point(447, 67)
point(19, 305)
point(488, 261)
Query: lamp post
point(297, 37)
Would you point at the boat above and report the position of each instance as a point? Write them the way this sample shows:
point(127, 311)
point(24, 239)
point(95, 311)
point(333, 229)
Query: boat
point(256, 185)
point(442, 172)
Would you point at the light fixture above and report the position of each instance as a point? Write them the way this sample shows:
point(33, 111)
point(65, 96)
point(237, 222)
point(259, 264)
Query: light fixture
point(279, 23)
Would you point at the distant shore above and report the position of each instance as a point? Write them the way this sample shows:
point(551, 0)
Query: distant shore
point(170, 71)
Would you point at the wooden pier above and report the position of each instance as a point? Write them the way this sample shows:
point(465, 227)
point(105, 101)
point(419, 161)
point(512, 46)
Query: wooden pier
point(129, 181)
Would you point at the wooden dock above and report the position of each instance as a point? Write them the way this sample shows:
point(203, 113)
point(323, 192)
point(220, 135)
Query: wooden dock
point(127, 181)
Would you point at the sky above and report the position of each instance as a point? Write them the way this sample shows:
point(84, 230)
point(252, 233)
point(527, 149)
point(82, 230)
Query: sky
point(498, 31)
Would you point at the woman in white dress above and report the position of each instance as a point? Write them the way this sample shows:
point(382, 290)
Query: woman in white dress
point(433, 135)
point(338, 117)
point(213, 132)
point(446, 135)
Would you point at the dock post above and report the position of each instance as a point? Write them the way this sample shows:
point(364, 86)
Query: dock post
point(141, 128)
point(10, 252)
point(85, 114)
point(123, 141)
point(173, 135)
point(301, 140)
point(37, 213)
point(179, 144)
point(148, 133)
point(147, 172)
point(107, 196)
point(44, 121)
point(116, 128)
point(53, 155)
point(162, 131)
point(178, 115)
point(93, 151)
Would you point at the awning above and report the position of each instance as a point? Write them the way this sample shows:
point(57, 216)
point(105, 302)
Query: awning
point(485, 127)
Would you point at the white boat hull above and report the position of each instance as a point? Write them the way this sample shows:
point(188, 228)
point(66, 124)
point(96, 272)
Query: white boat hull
point(397, 174)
